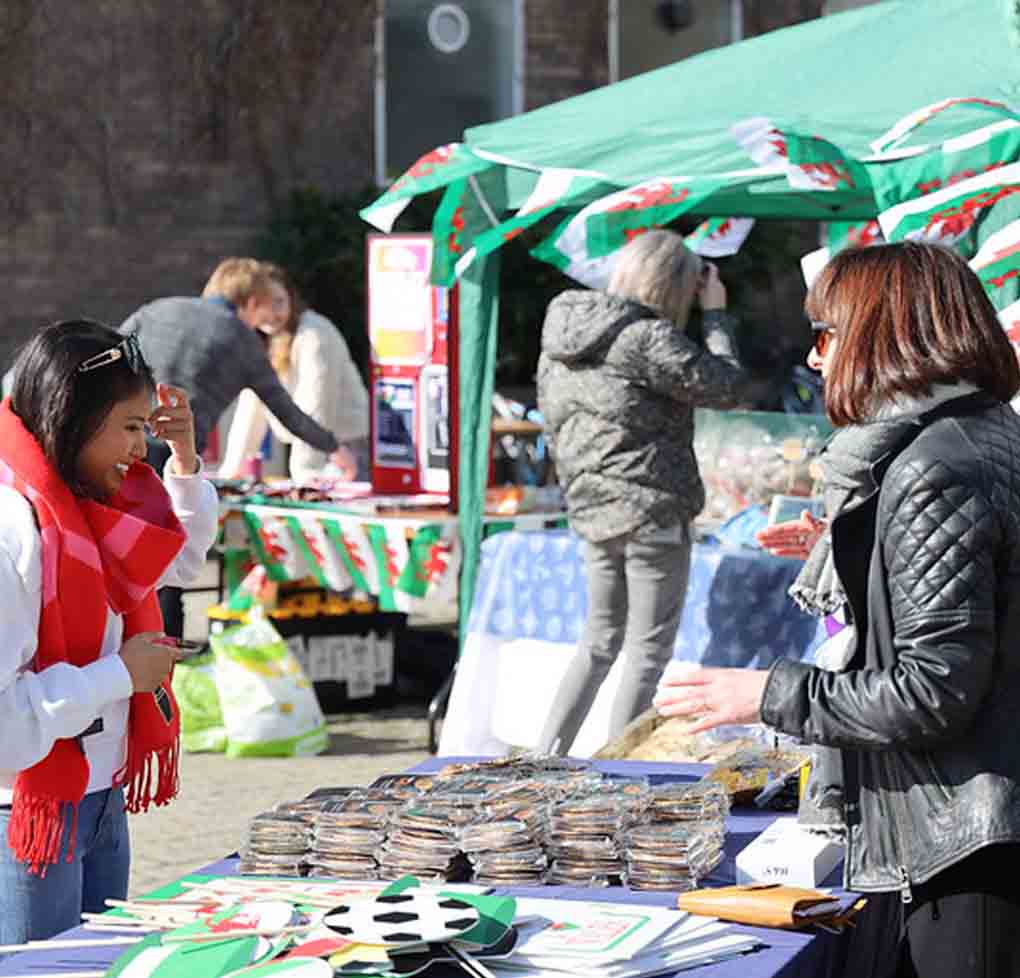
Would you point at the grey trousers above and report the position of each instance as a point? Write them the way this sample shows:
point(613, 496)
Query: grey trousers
point(636, 588)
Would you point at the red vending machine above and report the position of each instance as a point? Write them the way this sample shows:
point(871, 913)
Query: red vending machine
point(412, 328)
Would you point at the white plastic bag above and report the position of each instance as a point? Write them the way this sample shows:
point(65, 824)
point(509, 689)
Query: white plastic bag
point(269, 706)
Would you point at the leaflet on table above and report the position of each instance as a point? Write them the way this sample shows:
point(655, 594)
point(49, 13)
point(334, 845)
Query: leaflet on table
point(614, 939)
point(614, 953)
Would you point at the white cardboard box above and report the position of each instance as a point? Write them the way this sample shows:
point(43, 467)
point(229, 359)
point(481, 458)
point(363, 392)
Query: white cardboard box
point(787, 853)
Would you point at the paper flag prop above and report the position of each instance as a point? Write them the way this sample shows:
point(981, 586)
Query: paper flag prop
point(492, 936)
point(413, 917)
point(151, 958)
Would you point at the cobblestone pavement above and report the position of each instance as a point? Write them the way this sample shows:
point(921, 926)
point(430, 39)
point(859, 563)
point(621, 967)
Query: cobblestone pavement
point(219, 794)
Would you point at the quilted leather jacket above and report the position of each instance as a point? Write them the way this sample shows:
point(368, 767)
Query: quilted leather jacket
point(926, 713)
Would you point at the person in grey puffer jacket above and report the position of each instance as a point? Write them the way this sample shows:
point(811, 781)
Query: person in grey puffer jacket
point(618, 382)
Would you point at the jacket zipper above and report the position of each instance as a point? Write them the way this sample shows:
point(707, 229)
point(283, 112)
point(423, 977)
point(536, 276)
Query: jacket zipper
point(906, 894)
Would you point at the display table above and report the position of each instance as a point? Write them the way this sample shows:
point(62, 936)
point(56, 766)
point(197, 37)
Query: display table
point(410, 562)
point(529, 611)
point(786, 954)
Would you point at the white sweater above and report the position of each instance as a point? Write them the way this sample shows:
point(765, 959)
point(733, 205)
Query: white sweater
point(37, 709)
point(324, 382)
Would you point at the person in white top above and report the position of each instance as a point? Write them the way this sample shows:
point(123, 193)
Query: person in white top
point(87, 532)
point(313, 362)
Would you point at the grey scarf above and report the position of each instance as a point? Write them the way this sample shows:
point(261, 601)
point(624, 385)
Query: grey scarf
point(846, 473)
point(846, 476)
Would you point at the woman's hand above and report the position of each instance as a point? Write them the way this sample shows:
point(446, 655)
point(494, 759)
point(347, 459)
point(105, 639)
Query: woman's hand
point(711, 291)
point(794, 538)
point(173, 422)
point(709, 698)
point(148, 660)
point(345, 464)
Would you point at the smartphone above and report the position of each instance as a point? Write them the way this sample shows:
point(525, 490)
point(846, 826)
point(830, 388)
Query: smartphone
point(186, 645)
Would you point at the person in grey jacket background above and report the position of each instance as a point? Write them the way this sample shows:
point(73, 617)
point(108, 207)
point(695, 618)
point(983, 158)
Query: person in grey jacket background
point(618, 382)
point(922, 487)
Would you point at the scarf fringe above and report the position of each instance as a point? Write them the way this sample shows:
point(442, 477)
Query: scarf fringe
point(36, 828)
point(142, 769)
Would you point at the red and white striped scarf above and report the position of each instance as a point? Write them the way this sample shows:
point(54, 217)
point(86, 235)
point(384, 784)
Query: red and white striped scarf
point(96, 556)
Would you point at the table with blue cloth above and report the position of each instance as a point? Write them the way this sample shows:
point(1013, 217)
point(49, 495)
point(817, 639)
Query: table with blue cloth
point(784, 954)
point(528, 614)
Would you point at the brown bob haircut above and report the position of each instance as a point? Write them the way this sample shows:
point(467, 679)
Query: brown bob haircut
point(907, 316)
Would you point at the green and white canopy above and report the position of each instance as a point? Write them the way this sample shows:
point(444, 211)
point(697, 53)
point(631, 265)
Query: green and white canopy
point(904, 113)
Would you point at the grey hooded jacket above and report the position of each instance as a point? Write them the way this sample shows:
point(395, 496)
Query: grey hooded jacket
point(617, 388)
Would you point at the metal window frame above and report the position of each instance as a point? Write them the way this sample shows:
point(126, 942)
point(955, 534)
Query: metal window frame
point(517, 84)
point(613, 33)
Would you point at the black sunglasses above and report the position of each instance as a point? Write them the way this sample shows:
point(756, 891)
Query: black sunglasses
point(127, 349)
point(824, 334)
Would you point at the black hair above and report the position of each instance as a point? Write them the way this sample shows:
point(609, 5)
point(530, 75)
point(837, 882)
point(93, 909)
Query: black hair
point(63, 407)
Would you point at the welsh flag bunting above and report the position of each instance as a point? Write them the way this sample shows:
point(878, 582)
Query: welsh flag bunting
point(719, 237)
point(389, 555)
point(951, 215)
point(554, 189)
point(860, 234)
point(809, 162)
point(468, 208)
point(997, 264)
point(275, 548)
point(954, 161)
point(432, 561)
point(437, 168)
point(581, 245)
point(331, 570)
point(355, 551)
point(909, 123)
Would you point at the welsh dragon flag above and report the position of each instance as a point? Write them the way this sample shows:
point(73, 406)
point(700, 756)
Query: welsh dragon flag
point(956, 160)
point(719, 237)
point(852, 234)
point(809, 162)
point(436, 168)
point(951, 215)
point(320, 550)
point(272, 539)
point(583, 246)
point(554, 189)
point(997, 264)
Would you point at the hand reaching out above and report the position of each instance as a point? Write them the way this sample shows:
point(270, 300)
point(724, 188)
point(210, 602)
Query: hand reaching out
point(345, 463)
point(709, 698)
point(794, 538)
point(173, 422)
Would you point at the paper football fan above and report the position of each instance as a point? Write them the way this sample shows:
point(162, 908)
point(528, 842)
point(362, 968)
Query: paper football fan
point(411, 917)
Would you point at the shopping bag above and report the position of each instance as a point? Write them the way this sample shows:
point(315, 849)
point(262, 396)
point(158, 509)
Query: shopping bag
point(269, 706)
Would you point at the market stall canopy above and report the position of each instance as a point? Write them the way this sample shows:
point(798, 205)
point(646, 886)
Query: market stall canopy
point(896, 120)
point(836, 119)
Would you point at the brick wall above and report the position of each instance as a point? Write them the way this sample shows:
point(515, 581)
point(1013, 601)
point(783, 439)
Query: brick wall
point(151, 140)
point(142, 141)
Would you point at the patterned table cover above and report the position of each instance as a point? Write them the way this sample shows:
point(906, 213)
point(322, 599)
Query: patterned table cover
point(529, 610)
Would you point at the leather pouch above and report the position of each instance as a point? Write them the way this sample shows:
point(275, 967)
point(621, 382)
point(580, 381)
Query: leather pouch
point(763, 905)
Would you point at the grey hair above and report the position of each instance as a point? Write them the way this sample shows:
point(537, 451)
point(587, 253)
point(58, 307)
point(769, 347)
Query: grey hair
point(658, 270)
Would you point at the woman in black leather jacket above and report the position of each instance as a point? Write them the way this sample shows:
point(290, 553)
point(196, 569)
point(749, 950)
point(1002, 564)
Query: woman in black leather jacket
point(923, 552)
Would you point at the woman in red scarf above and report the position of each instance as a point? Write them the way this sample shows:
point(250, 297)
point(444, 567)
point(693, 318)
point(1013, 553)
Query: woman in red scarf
point(88, 725)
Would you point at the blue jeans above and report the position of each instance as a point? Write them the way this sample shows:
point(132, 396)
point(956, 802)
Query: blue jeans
point(636, 589)
point(34, 907)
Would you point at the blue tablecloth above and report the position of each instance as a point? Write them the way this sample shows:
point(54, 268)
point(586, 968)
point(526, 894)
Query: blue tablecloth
point(737, 612)
point(784, 954)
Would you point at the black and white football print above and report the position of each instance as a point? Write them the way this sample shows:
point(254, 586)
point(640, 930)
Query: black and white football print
point(412, 917)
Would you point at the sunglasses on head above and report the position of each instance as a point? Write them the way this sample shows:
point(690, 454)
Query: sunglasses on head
point(824, 334)
point(127, 349)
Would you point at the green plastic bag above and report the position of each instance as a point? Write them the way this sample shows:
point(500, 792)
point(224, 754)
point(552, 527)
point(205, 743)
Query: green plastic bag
point(269, 706)
point(194, 686)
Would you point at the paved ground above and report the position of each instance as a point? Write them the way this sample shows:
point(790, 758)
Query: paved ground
point(219, 795)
